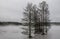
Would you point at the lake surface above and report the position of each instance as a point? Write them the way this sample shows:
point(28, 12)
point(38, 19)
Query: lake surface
point(14, 32)
point(54, 32)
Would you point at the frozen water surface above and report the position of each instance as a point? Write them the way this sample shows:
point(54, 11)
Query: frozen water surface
point(14, 32)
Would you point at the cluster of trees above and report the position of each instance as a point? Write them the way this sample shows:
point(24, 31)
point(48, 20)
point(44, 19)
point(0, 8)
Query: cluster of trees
point(36, 16)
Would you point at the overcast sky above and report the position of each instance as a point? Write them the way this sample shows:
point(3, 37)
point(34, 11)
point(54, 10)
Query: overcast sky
point(12, 10)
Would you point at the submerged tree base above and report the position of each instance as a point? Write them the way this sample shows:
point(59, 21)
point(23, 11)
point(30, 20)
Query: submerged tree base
point(43, 34)
point(30, 36)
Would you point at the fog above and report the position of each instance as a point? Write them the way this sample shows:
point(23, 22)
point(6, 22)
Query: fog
point(12, 10)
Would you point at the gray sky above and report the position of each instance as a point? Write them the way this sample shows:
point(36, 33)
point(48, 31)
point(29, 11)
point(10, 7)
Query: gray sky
point(11, 10)
point(54, 7)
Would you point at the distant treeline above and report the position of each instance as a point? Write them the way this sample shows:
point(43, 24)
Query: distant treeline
point(7, 23)
point(44, 23)
point(25, 24)
point(56, 23)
